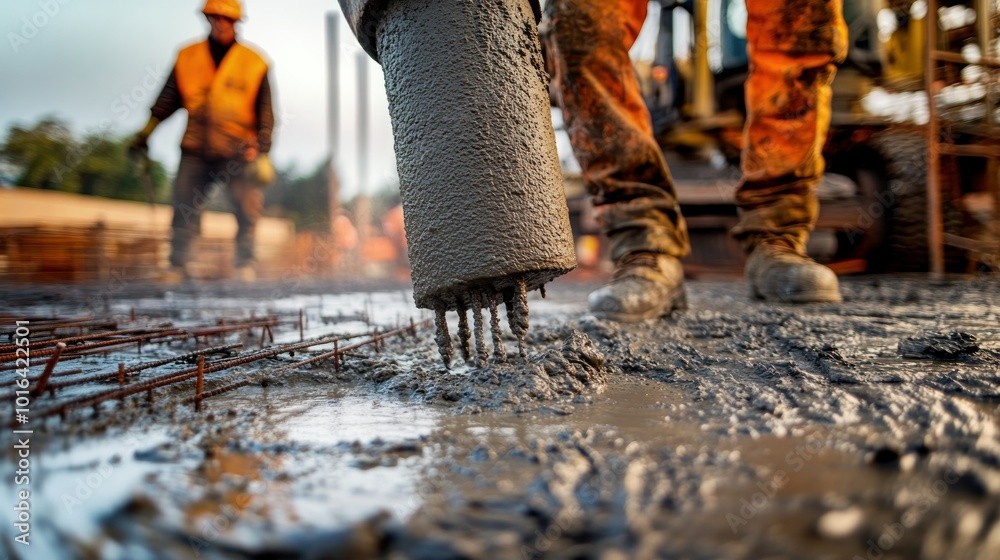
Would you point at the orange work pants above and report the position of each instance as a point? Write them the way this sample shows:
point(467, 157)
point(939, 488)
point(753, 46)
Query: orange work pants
point(793, 48)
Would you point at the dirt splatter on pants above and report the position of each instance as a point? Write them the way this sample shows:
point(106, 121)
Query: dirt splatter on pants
point(793, 48)
point(196, 178)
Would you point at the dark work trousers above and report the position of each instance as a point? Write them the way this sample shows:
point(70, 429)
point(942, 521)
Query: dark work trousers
point(196, 178)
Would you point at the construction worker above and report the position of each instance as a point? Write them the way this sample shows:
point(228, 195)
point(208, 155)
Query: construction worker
point(224, 87)
point(793, 46)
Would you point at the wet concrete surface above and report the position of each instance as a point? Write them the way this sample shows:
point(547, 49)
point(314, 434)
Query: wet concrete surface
point(866, 429)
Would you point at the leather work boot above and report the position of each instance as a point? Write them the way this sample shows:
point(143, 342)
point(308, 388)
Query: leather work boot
point(777, 273)
point(644, 286)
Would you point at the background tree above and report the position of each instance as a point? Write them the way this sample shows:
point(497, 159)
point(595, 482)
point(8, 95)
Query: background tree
point(48, 156)
point(41, 152)
point(381, 201)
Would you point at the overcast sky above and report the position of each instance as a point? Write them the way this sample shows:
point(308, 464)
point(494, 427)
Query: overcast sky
point(101, 63)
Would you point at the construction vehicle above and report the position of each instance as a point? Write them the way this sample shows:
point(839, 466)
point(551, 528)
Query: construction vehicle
point(875, 201)
point(873, 198)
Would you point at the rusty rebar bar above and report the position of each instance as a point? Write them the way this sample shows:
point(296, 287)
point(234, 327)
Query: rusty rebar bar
point(176, 377)
point(129, 371)
point(54, 375)
point(935, 223)
point(200, 386)
point(75, 339)
point(49, 367)
point(51, 328)
point(45, 323)
point(336, 353)
point(336, 357)
point(64, 359)
point(113, 346)
point(95, 345)
point(208, 331)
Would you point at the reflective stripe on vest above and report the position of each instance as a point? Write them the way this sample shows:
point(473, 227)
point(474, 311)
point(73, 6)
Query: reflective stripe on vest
point(221, 102)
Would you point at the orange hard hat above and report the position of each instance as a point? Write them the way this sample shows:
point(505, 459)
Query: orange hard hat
point(226, 8)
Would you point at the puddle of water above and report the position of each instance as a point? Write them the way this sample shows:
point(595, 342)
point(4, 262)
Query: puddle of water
point(320, 488)
point(72, 488)
point(352, 418)
point(797, 481)
point(324, 416)
point(632, 411)
point(235, 497)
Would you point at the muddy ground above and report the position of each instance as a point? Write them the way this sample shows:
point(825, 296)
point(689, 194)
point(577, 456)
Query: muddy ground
point(867, 429)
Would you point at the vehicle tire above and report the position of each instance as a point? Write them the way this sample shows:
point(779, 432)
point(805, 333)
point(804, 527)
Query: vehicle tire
point(866, 238)
point(905, 157)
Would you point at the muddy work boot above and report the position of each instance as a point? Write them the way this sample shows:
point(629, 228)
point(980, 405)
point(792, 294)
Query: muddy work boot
point(777, 273)
point(644, 286)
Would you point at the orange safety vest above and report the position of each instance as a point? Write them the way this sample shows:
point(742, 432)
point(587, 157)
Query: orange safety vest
point(221, 102)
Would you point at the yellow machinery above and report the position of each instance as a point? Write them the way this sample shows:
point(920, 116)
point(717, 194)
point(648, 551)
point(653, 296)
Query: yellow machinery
point(874, 209)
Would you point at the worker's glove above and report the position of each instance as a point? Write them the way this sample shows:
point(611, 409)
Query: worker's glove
point(261, 170)
point(138, 145)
